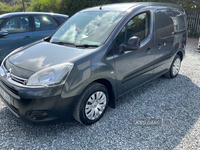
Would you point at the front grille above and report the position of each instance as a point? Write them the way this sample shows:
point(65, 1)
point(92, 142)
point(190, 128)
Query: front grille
point(14, 77)
point(18, 79)
point(10, 88)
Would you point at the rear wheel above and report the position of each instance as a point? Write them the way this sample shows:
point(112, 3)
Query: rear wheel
point(175, 67)
point(92, 104)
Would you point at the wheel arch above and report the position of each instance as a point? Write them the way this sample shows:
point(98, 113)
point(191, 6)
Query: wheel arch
point(180, 53)
point(110, 89)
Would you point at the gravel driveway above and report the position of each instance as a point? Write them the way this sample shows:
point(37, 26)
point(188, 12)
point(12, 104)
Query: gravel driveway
point(176, 100)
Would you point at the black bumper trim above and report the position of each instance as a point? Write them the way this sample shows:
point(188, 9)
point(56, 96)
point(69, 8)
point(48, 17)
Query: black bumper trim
point(14, 110)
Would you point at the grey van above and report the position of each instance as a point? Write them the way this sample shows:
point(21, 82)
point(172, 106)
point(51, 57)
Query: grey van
point(98, 55)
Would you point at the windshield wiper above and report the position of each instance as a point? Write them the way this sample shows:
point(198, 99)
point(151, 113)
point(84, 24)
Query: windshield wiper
point(85, 45)
point(63, 43)
point(77, 45)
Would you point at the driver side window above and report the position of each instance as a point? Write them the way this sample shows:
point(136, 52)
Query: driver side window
point(17, 25)
point(137, 26)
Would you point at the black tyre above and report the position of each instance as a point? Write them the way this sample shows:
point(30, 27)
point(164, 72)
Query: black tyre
point(92, 104)
point(175, 67)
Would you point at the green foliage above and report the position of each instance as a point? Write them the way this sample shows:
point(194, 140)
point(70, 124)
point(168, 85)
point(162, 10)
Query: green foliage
point(72, 6)
point(4, 8)
point(7, 6)
point(69, 7)
point(192, 33)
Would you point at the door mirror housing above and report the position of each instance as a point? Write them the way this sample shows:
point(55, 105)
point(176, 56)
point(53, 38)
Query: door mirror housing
point(3, 33)
point(134, 43)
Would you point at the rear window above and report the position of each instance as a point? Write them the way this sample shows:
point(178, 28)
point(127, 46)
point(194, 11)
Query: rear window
point(45, 23)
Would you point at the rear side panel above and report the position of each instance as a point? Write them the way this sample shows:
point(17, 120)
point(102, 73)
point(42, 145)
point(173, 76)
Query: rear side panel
point(180, 29)
point(170, 37)
point(164, 39)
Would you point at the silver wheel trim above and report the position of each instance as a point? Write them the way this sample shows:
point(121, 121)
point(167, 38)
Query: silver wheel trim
point(95, 105)
point(176, 66)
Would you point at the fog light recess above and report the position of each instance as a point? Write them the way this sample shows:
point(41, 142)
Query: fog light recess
point(36, 115)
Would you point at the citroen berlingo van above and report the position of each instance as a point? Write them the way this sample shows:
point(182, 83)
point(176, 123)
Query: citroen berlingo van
point(99, 54)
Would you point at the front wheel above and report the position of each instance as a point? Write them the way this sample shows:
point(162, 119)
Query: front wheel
point(175, 67)
point(92, 104)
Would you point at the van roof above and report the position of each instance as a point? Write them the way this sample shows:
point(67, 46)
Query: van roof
point(131, 6)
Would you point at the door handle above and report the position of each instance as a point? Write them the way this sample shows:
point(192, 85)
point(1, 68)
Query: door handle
point(148, 50)
point(160, 45)
point(27, 37)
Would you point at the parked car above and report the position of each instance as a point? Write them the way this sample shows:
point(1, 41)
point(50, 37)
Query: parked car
point(98, 55)
point(21, 28)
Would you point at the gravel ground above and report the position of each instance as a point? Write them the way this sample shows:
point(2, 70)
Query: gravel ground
point(177, 100)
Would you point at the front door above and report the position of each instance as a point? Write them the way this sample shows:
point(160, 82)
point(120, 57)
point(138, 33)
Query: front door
point(134, 67)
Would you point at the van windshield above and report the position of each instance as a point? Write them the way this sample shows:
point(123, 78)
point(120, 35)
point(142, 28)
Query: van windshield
point(87, 28)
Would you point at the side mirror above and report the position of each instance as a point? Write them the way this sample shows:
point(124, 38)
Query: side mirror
point(134, 43)
point(3, 33)
point(47, 39)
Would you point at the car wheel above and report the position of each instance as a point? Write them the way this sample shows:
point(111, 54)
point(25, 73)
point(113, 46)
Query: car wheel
point(175, 67)
point(92, 104)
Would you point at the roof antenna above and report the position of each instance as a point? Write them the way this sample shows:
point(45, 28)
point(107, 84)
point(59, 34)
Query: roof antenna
point(102, 5)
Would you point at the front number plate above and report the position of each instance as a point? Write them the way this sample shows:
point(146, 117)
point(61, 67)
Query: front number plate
point(5, 96)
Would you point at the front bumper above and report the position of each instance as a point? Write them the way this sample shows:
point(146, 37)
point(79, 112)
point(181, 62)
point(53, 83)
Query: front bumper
point(39, 104)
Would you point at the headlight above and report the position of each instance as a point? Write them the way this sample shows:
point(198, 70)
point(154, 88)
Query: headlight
point(51, 76)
